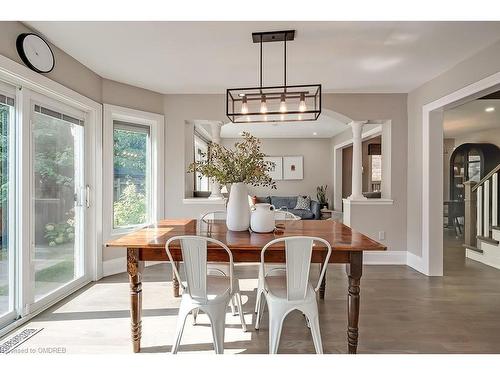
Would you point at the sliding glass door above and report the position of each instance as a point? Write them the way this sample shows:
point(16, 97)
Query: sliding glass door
point(50, 203)
point(7, 255)
point(58, 199)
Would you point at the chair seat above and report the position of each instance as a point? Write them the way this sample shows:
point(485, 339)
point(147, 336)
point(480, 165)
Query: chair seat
point(218, 287)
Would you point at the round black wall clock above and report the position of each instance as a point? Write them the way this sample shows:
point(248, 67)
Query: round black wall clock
point(35, 52)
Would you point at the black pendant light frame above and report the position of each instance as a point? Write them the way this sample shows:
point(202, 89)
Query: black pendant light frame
point(304, 93)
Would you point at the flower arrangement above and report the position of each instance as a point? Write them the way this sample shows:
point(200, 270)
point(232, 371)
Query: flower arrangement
point(243, 164)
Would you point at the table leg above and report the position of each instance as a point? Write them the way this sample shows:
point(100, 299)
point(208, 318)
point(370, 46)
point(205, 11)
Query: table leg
point(135, 268)
point(175, 282)
point(354, 270)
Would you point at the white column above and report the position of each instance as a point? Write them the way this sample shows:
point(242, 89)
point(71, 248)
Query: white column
point(215, 186)
point(357, 161)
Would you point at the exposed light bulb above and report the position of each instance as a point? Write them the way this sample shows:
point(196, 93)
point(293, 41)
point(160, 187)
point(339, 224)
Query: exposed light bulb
point(244, 105)
point(489, 109)
point(315, 133)
point(283, 103)
point(263, 105)
point(302, 104)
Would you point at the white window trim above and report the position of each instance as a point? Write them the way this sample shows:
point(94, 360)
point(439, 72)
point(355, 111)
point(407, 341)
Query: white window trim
point(156, 124)
point(20, 76)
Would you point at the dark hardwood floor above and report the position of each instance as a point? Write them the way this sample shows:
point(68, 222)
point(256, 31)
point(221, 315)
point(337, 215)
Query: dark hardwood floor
point(402, 311)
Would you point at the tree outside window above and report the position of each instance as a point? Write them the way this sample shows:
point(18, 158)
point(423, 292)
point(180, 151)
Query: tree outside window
point(131, 176)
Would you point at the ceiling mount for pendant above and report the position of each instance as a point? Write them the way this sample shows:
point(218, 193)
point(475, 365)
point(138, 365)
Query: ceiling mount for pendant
point(273, 36)
point(274, 103)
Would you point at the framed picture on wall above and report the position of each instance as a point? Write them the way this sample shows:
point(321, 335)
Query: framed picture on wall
point(293, 168)
point(276, 171)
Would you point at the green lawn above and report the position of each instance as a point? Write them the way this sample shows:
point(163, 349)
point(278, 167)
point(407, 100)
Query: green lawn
point(60, 272)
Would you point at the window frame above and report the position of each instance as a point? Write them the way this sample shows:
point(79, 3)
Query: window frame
point(155, 123)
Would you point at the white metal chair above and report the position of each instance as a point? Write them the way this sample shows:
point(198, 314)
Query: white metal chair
point(279, 214)
point(292, 290)
point(201, 291)
point(218, 268)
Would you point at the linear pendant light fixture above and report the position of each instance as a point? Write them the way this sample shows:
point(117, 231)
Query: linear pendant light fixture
point(274, 103)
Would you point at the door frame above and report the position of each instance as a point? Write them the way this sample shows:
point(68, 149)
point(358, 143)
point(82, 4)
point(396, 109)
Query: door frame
point(431, 261)
point(11, 315)
point(22, 77)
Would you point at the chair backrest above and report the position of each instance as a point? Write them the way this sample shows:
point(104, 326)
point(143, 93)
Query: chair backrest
point(214, 215)
point(298, 251)
point(285, 215)
point(194, 256)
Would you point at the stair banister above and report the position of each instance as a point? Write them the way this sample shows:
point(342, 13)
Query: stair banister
point(481, 207)
point(470, 214)
point(491, 173)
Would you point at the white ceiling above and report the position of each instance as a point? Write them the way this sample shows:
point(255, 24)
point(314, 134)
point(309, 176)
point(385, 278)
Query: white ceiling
point(208, 57)
point(324, 127)
point(471, 117)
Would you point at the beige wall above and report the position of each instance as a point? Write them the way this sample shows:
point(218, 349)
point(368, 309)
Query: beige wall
point(67, 71)
point(485, 136)
point(380, 107)
point(76, 76)
point(317, 165)
point(124, 95)
point(473, 69)
point(181, 108)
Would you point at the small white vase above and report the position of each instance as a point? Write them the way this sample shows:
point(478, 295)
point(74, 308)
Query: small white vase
point(238, 209)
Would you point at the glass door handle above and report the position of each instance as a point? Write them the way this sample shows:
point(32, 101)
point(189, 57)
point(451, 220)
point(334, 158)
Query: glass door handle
point(87, 196)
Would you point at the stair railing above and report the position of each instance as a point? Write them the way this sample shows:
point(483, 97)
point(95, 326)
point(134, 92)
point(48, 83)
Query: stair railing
point(481, 207)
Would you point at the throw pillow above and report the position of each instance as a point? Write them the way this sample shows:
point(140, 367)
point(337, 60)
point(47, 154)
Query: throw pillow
point(303, 203)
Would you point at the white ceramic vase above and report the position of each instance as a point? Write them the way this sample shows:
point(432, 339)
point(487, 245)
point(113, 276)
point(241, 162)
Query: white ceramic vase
point(238, 209)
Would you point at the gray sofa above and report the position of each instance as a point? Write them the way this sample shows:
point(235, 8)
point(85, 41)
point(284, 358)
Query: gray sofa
point(290, 203)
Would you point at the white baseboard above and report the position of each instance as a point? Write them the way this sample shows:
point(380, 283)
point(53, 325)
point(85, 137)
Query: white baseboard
point(415, 262)
point(384, 257)
point(114, 266)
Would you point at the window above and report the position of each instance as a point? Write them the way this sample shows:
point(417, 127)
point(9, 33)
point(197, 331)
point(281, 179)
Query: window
point(131, 174)
point(201, 183)
point(376, 172)
point(133, 169)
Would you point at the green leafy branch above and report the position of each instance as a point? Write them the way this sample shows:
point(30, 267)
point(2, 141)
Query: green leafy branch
point(243, 164)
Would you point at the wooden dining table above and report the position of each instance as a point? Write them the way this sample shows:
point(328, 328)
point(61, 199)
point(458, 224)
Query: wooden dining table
point(148, 244)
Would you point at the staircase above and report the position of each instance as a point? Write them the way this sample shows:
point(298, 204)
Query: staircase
point(482, 232)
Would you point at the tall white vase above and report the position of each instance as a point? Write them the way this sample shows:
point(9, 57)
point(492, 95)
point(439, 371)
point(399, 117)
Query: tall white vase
point(238, 209)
